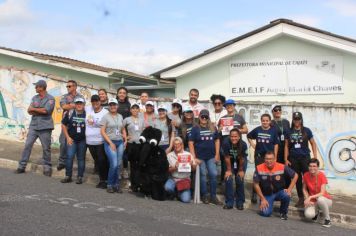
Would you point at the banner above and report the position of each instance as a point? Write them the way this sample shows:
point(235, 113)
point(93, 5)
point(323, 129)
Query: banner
point(280, 76)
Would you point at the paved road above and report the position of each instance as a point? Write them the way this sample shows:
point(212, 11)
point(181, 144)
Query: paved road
point(36, 205)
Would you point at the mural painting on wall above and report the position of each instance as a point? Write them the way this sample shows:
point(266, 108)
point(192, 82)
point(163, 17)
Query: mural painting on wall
point(336, 141)
point(16, 91)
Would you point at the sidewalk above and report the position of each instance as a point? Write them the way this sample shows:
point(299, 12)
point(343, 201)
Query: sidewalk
point(343, 209)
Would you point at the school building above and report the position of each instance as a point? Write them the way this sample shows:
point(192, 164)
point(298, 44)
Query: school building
point(301, 67)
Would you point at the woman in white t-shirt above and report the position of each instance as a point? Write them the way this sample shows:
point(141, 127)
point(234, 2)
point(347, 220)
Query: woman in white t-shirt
point(94, 140)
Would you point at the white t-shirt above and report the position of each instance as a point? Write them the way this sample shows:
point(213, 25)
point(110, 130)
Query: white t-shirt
point(196, 108)
point(215, 117)
point(92, 126)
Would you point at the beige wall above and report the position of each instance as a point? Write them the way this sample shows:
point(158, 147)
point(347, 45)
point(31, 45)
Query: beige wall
point(215, 77)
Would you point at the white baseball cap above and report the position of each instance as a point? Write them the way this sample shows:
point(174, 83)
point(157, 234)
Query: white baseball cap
point(135, 104)
point(162, 107)
point(79, 99)
point(187, 108)
point(275, 105)
point(177, 101)
point(149, 103)
point(113, 100)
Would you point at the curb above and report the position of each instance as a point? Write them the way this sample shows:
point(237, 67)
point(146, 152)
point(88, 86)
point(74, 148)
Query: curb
point(94, 179)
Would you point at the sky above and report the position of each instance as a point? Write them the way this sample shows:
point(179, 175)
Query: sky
point(144, 36)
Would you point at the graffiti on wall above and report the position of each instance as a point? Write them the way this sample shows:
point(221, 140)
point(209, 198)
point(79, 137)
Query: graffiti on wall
point(16, 91)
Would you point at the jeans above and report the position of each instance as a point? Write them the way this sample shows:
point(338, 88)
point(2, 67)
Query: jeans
point(115, 158)
point(170, 187)
point(211, 167)
point(45, 138)
point(279, 196)
point(98, 154)
point(240, 188)
point(78, 148)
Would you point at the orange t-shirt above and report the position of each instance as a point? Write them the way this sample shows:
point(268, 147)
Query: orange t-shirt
point(314, 183)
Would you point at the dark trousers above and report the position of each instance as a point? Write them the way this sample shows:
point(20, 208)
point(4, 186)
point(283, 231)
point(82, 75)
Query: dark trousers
point(300, 166)
point(100, 159)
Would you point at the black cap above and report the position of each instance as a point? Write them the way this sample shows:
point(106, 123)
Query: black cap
point(204, 112)
point(95, 98)
point(41, 83)
point(297, 115)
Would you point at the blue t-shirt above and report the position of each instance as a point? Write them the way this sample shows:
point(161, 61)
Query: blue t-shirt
point(204, 142)
point(265, 139)
point(229, 150)
point(75, 125)
point(298, 143)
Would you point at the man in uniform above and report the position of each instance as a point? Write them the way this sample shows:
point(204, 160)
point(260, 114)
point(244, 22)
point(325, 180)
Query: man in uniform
point(269, 183)
point(67, 104)
point(41, 127)
point(282, 126)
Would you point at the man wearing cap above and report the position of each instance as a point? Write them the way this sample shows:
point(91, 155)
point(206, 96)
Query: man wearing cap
point(149, 116)
point(41, 127)
point(94, 140)
point(67, 104)
point(193, 102)
point(282, 126)
point(73, 126)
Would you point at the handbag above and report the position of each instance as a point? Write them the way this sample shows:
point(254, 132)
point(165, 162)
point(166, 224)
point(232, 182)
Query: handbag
point(183, 184)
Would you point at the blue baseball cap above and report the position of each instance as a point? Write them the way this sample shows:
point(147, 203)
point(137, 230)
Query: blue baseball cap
point(229, 102)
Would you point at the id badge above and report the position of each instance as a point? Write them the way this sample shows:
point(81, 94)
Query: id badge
point(136, 127)
point(162, 138)
point(78, 129)
point(117, 132)
point(282, 137)
point(235, 165)
point(297, 145)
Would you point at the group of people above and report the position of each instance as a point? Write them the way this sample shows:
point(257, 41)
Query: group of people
point(192, 137)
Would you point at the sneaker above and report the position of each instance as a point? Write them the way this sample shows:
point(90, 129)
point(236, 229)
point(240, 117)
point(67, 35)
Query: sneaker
point(205, 200)
point(47, 173)
point(118, 189)
point(216, 201)
point(240, 207)
point(61, 167)
point(19, 171)
point(79, 180)
point(225, 207)
point(101, 185)
point(327, 223)
point(110, 189)
point(66, 179)
point(283, 216)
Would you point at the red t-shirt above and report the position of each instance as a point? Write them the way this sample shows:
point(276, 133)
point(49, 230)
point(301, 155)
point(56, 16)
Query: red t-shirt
point(314, 183)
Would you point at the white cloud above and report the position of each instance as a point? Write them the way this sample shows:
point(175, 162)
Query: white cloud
point(14, 12)
point(343, 7)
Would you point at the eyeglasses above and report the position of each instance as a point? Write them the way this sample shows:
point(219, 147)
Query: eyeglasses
point(205, 117)
point(217, 103)
point(69, 86)
point(277, 109)
point(175, 105)
point(188, 112)
point(297, 118)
